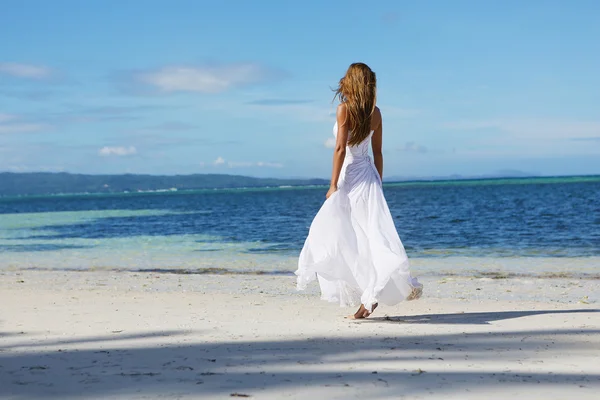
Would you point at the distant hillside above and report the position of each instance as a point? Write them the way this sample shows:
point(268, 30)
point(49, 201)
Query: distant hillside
point(41, 183)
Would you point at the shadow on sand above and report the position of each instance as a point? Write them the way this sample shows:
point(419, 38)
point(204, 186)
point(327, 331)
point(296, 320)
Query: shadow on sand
point(478, 318)
point(103, 367)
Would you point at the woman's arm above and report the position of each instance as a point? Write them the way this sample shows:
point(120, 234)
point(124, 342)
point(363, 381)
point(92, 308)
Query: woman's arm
point(376, 143)
point(340, 148)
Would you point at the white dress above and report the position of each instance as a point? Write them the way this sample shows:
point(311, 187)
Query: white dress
point(353, 247)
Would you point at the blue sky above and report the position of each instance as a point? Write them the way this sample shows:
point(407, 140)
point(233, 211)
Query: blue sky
point(241, 87)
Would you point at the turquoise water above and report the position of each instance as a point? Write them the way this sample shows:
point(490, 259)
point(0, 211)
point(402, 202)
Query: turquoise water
point(540, 227)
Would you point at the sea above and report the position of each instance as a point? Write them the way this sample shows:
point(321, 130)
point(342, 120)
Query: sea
point(497, 228)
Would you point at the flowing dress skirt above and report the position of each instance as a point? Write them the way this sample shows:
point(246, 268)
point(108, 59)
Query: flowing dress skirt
point(353, 248)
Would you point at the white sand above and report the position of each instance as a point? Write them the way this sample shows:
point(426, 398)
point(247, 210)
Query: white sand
point(99, 335)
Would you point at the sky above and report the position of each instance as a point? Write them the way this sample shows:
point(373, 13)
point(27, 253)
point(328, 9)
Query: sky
point(244, 87)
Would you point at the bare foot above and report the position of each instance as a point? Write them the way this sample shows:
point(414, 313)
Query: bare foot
point(416, 293)
point(363, 312)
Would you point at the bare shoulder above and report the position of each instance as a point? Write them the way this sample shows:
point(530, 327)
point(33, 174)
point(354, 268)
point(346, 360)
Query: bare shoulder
point(376, 119)
point(377, 113)
point(341, 114)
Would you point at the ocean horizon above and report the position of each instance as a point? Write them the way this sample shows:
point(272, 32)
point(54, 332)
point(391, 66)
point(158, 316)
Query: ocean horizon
point(397, 181)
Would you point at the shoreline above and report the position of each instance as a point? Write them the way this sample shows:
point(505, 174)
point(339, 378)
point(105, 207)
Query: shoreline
point(464, 288)
point(496, 273)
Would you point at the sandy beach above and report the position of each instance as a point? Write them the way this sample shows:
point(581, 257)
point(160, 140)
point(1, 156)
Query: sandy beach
point(99, 335)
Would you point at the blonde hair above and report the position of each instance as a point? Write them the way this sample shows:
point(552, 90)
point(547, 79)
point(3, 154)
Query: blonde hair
point(358, 90)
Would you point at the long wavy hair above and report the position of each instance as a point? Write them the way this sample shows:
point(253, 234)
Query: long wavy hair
point(358, 90)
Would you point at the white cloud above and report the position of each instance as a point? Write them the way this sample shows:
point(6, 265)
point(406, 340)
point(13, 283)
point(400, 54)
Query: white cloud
point(117, 151)
point(219, 161)
point(25, 70)
point(206, 79)
point(330, 143)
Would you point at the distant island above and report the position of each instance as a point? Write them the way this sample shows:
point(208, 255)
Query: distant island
point(45, 183)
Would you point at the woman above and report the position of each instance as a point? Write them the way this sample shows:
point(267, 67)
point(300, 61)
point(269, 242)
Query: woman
point(352, 247)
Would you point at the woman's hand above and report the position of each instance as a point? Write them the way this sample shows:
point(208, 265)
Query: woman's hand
point(331, 191)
